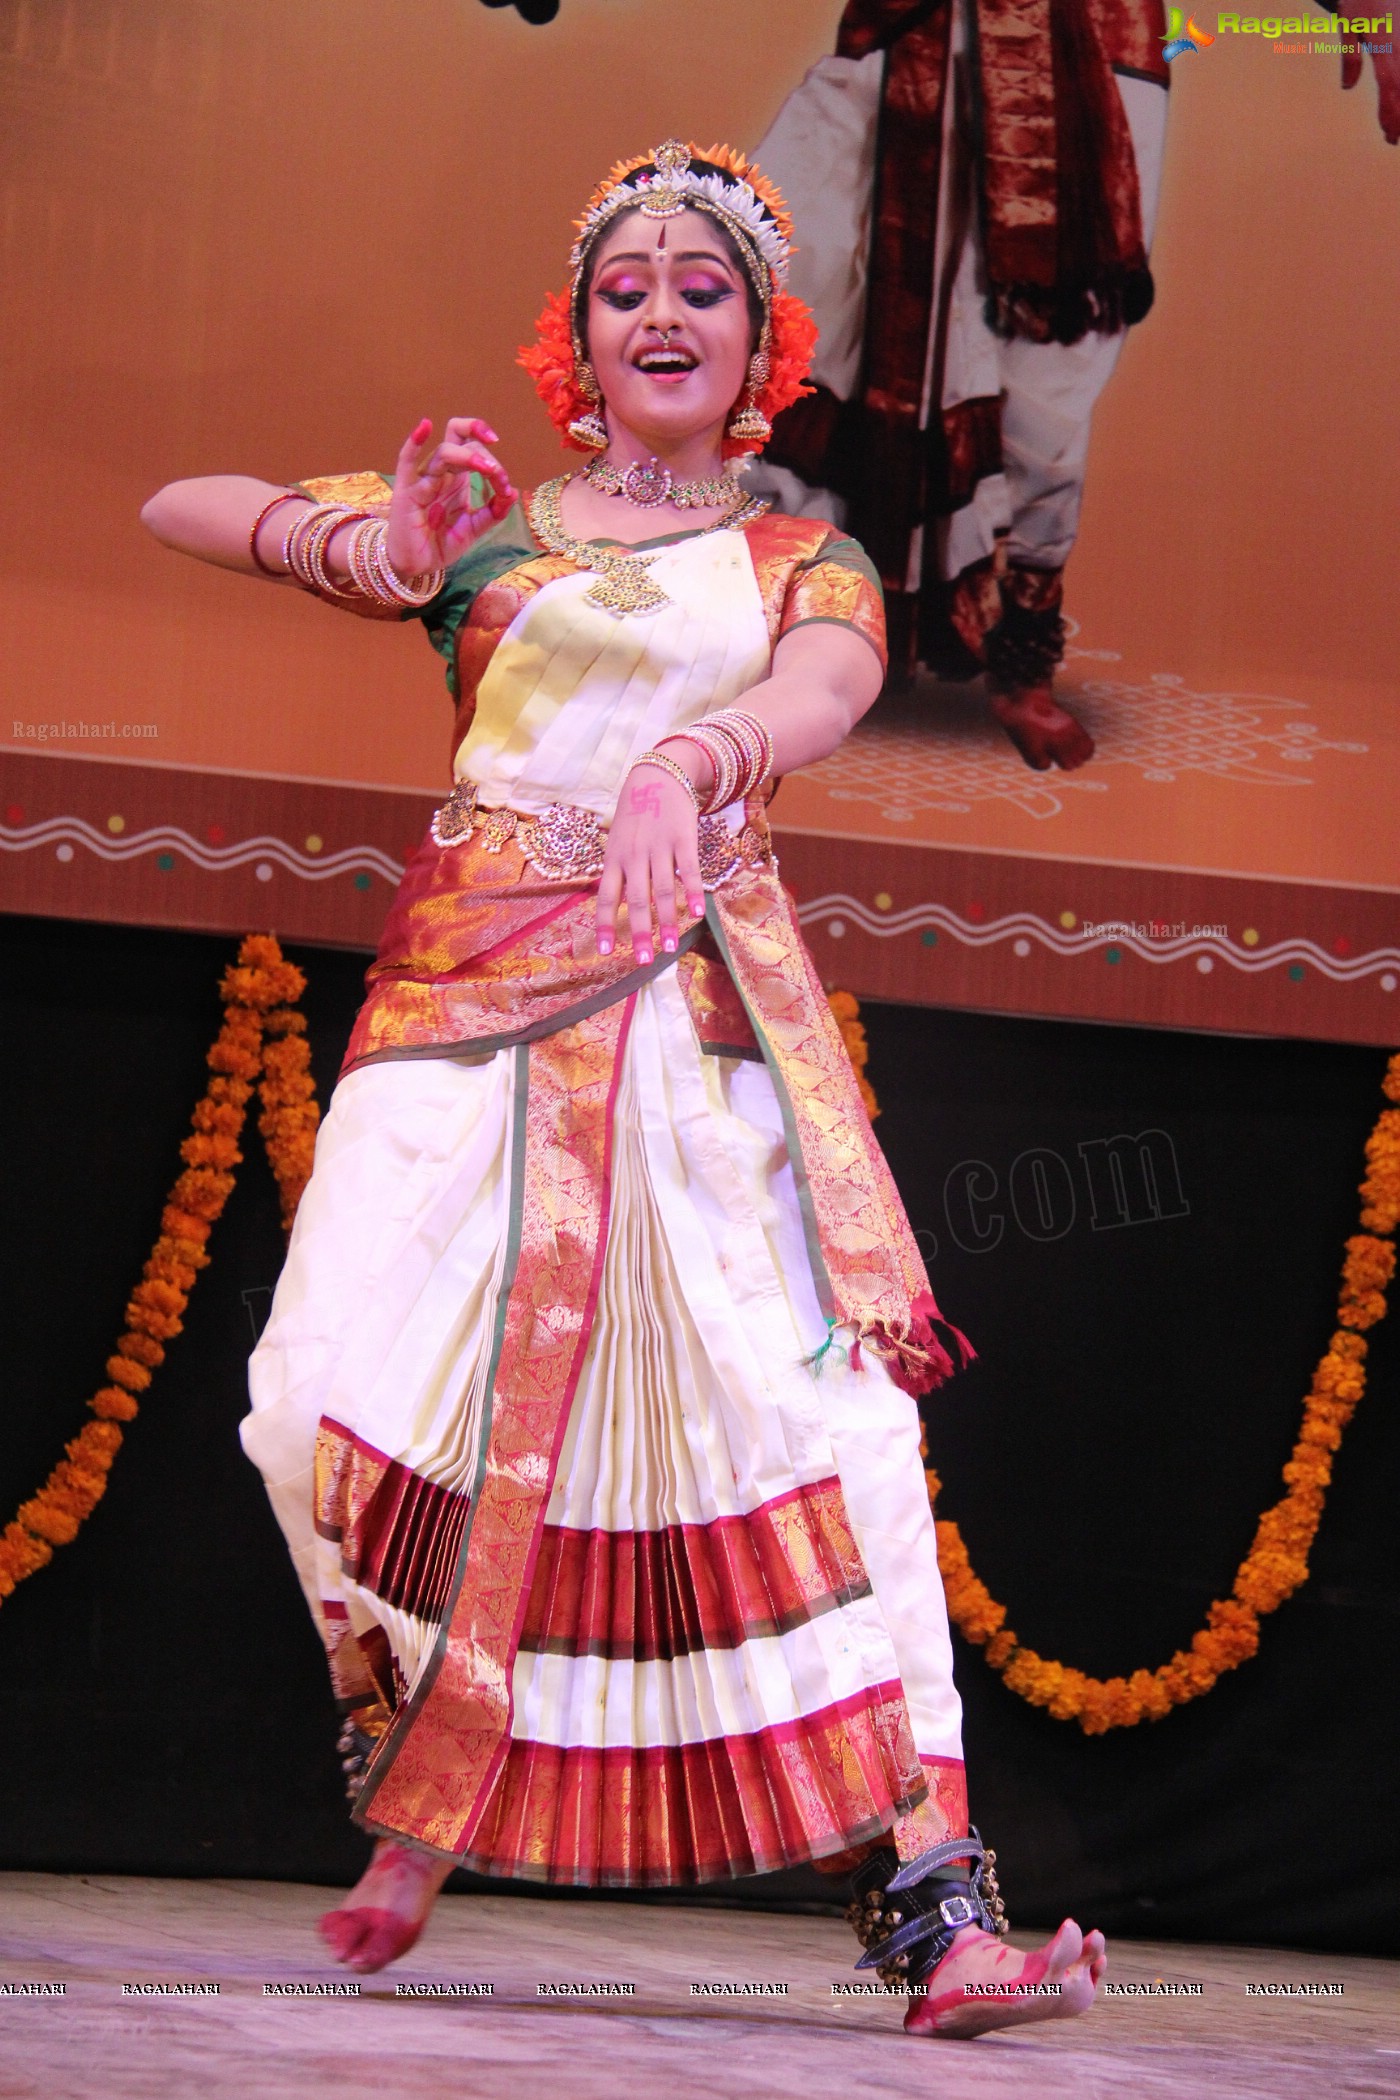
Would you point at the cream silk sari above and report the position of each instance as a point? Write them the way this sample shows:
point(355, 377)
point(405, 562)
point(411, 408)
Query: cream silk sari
point(586, 1399)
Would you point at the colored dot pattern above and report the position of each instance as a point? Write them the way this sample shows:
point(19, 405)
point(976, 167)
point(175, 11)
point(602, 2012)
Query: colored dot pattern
point(976, 911)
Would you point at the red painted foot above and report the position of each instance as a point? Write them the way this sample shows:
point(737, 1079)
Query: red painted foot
point(367, 1939)
point(982, 1983)
point(1044, 733)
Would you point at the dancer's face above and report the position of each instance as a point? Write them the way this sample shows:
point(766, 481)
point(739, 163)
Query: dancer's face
point(669, 327)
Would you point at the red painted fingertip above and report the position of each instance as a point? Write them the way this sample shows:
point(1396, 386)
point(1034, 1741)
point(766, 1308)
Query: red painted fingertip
point(421, 430)
point(605, 944)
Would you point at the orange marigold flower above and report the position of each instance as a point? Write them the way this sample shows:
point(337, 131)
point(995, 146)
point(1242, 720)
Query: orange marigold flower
point(44, 1515)
point(203, 1192)
point(1363, 1310)
point(203, 1150)
point(1149, 1694)
point(1369, 1264)
point(135, 1377)
point(141, 1349)
point(98, 1437)
point(112, 1404)
point(218, 1117)
point(286, 1020)
point(144, 1319)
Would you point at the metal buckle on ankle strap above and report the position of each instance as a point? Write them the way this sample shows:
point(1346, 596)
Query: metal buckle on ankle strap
point(958, 1911)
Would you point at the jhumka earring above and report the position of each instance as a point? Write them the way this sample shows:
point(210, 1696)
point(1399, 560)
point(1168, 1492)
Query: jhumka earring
point(750, 425)
point(588, 429)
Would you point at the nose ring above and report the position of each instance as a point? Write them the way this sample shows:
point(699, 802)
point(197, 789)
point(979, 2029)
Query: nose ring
point(664, 333)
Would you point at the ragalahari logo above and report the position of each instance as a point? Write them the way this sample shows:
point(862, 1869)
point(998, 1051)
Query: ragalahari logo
point(1183, 34)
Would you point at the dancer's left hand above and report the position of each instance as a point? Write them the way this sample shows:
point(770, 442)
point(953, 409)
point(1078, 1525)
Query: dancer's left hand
point(653, 861)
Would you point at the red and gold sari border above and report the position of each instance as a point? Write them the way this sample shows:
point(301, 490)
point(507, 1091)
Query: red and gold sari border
point(651, 1596)
point(869, 1273)
point(709, 1811)
point(433, 1776)
point(941, 1814)
point(399, 1534)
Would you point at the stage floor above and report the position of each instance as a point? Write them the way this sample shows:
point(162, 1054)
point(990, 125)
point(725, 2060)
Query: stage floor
point(96, 1934)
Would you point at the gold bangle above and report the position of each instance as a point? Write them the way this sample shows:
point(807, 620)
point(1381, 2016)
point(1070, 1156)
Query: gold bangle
point(667, 765)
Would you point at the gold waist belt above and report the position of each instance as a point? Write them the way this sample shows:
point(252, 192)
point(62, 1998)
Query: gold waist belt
point(566, 844)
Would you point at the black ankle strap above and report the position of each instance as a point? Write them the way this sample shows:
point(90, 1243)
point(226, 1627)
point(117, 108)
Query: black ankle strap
point(908, 1916)
point(916, 1870)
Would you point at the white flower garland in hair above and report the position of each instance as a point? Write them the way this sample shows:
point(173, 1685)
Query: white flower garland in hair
point(737, 200)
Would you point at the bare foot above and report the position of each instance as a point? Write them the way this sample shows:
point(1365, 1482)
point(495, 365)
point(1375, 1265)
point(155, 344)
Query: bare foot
point(1054, 1983)
point(387, 1909)
point(1044, 733)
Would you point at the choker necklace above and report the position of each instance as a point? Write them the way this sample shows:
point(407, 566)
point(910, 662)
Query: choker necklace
point(650, 484)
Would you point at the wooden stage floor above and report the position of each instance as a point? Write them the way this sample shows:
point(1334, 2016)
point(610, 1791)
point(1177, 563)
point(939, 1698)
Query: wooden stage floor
point(96, 1934)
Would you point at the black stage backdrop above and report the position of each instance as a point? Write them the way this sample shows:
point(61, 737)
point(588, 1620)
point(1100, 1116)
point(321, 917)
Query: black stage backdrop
point(1139, 1386)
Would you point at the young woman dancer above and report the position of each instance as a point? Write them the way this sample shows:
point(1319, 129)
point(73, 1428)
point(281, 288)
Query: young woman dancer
point(587, 1403)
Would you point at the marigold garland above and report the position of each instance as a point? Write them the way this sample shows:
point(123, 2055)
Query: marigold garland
point(263, 1041)
point(1277, 1562)
point(261, 1034)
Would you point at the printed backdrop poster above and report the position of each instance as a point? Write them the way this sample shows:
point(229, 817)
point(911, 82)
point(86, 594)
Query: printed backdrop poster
point(268, 237)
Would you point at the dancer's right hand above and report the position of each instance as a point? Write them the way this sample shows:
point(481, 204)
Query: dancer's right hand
point(431, 515)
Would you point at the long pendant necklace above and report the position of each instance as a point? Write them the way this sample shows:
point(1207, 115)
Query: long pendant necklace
point(623, 585)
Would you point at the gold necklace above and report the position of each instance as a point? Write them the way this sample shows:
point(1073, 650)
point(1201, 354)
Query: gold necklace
point(623, 584)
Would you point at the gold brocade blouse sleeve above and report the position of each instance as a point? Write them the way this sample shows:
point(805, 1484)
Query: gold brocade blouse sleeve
point(837, 583)
point(366, 491)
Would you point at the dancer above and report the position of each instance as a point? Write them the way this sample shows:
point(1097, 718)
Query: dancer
point(588, 1399)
